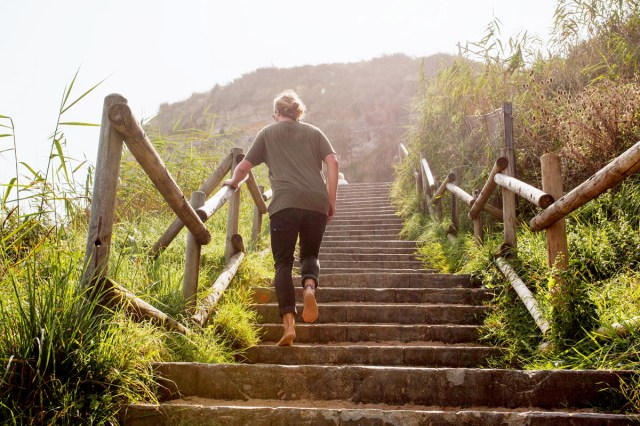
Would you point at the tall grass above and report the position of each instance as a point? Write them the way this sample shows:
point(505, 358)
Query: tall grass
point(67, 360)
point(579, 99)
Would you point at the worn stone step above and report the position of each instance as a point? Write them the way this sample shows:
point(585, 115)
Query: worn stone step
point(366, 227)
point(392, 280)
point(361, 205)
point(194, 411)
point(420, 354)
point(367, 243)
point(383, 235)
point(371, 264)
point(366, 250)
point(356, 224)
point(366, 257)
point(324, 294)
point(359, 270)
point(354, 332)
point(366, 220)
point(365, 211)
point(379, 194)
point(442, 387)
point(364, 187)
point(401, 313)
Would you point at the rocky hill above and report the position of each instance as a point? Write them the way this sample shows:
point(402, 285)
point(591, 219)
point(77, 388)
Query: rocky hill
point(363, 107)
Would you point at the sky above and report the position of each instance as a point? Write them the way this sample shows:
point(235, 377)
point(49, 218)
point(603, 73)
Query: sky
point(156, 51)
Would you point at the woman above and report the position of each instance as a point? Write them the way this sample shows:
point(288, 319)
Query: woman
point(302, 205)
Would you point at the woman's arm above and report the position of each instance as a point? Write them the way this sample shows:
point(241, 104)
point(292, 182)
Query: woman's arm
point(239, 173)
point(332, 183)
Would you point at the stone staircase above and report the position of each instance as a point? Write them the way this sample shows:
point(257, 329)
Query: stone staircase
point(395, 344)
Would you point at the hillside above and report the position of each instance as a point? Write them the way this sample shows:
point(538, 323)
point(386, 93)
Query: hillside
point(363, 107)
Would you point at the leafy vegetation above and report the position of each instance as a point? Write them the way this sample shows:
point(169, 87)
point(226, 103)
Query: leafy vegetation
point(67, 359)
point(580, 100)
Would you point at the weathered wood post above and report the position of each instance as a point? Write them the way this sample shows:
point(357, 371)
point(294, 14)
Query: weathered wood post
point(557, 247)
point(455, 225)
point(123, 120)
point(508, 197)
point(103, 200)
point(257, 220)
point(192, 260)
point(478, 232)
point(419, 196)
point(234, 208)
point(428, 185)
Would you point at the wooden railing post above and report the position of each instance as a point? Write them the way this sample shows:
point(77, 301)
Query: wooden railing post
point(419, 196)
point(557, 248)
point(192, 260)
point(257, 220)
point(478, 232)
point(508, 197)
point(234, 208)
point(454, 207)
point(103, 200)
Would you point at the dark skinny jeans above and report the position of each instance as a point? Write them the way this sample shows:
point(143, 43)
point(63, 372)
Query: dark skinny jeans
point(285, 226)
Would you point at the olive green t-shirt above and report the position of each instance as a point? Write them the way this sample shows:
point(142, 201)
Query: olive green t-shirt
point(293, 152)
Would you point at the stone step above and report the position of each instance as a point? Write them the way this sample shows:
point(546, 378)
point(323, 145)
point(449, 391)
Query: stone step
point(371, 264)
point(379, 194)
point(390, 243)
point(361, 223)
point(365, 211)
point(390, 280)
point(347, 189)
point(352, 206)
point(354, 332)
point(360, 235)
point(350, 251)
point(419, 354)
point(194, 411)
point(363, 228)
point(359, 270)
point(367, 220)
point(401, 313)
point(466, 296)
point(366, 257)
point(442, 387)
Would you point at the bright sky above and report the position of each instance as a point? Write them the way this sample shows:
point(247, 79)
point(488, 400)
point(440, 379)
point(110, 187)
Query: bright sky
point(155, 51)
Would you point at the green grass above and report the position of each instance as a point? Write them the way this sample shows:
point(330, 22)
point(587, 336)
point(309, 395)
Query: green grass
point(580, 99)
point(67, 360)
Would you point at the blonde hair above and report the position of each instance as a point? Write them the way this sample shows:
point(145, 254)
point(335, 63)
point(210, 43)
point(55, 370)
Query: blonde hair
point(288, 103)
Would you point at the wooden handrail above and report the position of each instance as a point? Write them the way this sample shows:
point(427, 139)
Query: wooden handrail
point(623, 166)
point(460, 193)
point(124, 122)
point(500, 164)
point(526, 191)
point(524, 294)
point(427, 171)
point(404, 151)
point(222, 282)
point(256, 194)
point(120, 126)
point(207, 187)
point(216, 202)
point(451, 177)
point(136, 307)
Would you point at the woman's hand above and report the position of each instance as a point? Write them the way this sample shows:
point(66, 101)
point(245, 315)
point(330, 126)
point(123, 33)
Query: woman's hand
point(229, 183)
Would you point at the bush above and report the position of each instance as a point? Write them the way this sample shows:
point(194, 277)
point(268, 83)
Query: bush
point(67, 360)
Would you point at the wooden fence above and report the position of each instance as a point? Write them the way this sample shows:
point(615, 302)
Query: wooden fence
point(552, 201)
point(119, 125)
